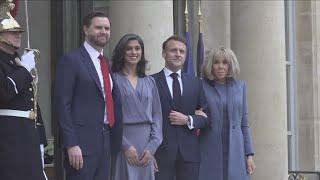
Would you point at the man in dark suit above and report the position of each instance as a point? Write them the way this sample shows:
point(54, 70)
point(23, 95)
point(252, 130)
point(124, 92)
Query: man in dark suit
point(87, 103)
point(181, 95)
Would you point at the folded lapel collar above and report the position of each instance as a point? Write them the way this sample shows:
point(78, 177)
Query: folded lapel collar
point(230, 95)
point(90, 67)
point(164, 86)
point(218, 103)
point(184, 86)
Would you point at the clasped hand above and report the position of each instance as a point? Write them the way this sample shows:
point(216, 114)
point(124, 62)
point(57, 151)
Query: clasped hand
point(201, 113)
point(177, 118)
point(133, 159)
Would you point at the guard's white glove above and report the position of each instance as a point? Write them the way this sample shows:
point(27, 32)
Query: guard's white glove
point(42, 154)
point(28, 61)
point(42, 157)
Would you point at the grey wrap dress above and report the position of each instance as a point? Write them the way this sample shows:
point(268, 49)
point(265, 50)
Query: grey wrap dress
point(142, 125)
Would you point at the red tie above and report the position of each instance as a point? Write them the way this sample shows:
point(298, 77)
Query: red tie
point(107, 89)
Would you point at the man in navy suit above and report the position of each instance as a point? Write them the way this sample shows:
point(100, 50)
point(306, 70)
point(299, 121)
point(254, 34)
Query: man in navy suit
point(88, 105)
point(181, 95)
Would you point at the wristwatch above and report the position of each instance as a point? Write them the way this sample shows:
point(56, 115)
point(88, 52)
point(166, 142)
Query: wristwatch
point(188, 121)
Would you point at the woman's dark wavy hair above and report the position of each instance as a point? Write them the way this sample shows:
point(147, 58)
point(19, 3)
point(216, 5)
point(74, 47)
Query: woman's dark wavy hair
point(119, 51)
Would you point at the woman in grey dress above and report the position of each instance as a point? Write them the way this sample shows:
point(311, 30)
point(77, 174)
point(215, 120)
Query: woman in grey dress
point(226, 147)
point(142, 117)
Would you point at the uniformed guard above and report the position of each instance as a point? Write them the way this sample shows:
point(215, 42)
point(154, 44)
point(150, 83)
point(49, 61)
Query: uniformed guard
point(20, 157)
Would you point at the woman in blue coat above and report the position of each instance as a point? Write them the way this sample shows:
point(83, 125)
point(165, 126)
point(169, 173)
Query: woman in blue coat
point(226, 147)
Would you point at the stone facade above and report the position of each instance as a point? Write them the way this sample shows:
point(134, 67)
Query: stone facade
point(255, 30)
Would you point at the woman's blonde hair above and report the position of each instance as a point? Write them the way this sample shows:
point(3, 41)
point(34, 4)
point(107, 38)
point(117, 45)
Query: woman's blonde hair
point(212, 57)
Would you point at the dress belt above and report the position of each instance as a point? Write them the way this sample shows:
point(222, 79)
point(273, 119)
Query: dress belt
point(18, 113)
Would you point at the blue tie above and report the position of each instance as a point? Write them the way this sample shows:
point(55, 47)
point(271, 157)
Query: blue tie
point(176, 92)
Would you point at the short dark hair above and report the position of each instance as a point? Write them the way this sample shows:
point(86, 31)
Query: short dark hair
point(175, 38)
point(87, 20)
point(119, 51)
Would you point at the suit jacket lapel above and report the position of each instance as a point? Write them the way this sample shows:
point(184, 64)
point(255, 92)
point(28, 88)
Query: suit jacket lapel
point(185, 87)
point(113, 79)
point(164, 86)
point(218, 100)
point(90, 67)
point(230, 101)
point(218, 103)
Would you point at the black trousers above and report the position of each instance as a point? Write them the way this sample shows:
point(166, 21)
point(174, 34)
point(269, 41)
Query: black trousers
point(20, 156)
point(96, 166)
point(177, 169)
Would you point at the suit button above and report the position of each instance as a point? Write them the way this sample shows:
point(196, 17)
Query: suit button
point(30, 89)
point(31, 99)
point(233, 127)
point(31, 109)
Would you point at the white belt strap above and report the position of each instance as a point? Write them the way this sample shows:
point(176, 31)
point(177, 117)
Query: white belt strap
point(17, 113)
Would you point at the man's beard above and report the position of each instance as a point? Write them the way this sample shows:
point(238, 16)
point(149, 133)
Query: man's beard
point(96, 42)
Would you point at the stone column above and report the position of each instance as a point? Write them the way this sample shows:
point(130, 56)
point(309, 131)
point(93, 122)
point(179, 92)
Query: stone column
point(152, 20)
point(308, 70)
point(216, 23)
point(258, 39)
point(316, 79)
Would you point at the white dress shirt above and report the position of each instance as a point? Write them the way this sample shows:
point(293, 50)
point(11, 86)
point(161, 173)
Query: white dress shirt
point(167, 73)
point(94, 54)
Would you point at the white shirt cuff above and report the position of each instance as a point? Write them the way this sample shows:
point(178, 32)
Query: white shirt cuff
point(14, 84)
point(190, 124)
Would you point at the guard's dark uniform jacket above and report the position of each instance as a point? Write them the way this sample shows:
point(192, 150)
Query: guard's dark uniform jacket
point(20, 157)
